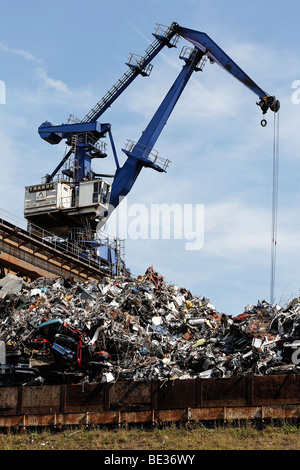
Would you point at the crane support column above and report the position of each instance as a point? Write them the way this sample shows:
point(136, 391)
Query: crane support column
point(139, 156)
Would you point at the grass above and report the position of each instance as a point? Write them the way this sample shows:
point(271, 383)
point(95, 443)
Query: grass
point(170, 437)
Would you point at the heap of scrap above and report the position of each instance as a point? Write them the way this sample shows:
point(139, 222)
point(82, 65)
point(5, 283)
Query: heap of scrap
point(139, 329)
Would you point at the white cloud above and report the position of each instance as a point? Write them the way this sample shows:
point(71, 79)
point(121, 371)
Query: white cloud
point(233, 227)
point(20, 52)
point(49, 82)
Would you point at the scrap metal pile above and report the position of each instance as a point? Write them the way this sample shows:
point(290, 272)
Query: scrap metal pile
point(60, 331)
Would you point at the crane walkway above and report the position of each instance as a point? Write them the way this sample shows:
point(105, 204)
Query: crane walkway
point(138, 65)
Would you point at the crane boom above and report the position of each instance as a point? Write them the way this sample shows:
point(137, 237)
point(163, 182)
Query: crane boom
point(204, 43)
point(139, 154)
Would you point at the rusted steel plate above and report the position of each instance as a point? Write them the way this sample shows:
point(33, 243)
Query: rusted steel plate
point(281, 412)
point(155, 416)
point(86, 397)
point(8, 400)
point(276, 389)
point(108, 417)
point(41, 399)
point(206, 414)
point(243, 412)
point(214, 392)
point(176, 394)
point(164, 416)
point(130, 393)
point(12, 421)
point(135, 417)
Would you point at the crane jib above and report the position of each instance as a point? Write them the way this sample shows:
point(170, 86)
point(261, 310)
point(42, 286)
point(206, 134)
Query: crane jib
point(203, 42)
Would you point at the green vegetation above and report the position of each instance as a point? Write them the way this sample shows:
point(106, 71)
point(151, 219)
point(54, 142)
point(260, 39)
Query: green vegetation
point(285, 436)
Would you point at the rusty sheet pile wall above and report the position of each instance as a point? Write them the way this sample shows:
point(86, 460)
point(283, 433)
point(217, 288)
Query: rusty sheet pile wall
point(259, 398)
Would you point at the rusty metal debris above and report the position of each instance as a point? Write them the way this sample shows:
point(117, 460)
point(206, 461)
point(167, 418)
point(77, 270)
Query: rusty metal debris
point(140, 329)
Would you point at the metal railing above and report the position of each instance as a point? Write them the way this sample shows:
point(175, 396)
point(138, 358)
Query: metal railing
point(188, 53)
point(138, 61)
point(162, 30)
point(47, 238)
point(147, 154)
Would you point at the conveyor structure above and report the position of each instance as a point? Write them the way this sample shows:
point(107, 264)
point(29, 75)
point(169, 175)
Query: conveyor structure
point(37, 253)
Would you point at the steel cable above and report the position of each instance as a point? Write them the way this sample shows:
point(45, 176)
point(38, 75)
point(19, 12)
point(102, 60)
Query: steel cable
point(274, 205)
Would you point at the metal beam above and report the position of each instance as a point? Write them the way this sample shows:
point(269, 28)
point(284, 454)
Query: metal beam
point(33, 256)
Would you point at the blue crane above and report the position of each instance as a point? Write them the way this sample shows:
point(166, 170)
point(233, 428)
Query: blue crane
point(84, 136)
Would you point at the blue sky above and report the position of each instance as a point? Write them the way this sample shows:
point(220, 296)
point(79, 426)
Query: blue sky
point(60, 58)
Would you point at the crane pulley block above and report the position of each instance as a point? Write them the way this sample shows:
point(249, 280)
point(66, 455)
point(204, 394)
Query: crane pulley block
point(269, 102)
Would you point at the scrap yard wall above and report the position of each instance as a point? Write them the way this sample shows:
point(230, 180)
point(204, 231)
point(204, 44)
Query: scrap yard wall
point(233, 398)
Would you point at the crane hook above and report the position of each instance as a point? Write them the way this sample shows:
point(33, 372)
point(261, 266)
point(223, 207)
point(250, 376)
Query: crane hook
point(263, 122)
